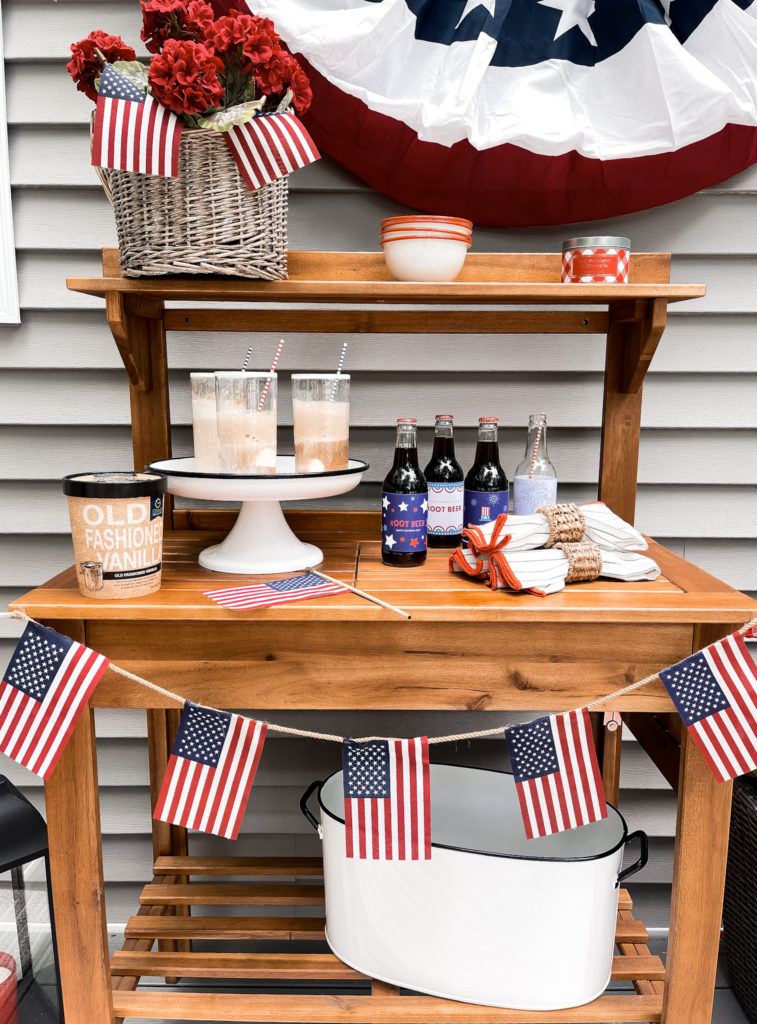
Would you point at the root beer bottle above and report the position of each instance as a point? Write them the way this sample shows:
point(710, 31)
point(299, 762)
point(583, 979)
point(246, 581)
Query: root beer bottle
point(444, 476)
point(486, 488)
point(404, 503)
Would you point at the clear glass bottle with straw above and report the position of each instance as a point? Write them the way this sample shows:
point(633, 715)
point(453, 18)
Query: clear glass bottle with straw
point(535, 482)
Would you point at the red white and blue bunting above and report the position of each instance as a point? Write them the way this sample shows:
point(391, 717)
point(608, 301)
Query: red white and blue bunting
point(216, 754)
point(526, 112)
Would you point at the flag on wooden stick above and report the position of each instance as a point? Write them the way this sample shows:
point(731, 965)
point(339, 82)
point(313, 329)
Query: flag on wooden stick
point(211, 769)
point(292, 588)
point(270, 146)
point(715, 693)
point(133, 132)
point(387, 799)
point(557, 775)
point(44, 690)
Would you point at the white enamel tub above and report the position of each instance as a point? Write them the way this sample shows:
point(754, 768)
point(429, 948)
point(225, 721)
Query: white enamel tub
point(493, 918)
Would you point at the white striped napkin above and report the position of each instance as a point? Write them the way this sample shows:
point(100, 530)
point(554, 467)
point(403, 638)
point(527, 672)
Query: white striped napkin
point(607, 530)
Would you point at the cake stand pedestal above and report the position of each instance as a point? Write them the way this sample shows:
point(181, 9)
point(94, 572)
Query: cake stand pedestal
point(261, 541)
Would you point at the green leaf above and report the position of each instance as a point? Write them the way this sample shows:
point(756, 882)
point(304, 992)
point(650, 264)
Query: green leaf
point(284, 102)
point(223, 120)
point(134, 71)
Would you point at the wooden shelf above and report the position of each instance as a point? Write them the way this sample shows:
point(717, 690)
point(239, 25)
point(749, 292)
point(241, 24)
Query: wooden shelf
point(499, 278)
point(366, 1001)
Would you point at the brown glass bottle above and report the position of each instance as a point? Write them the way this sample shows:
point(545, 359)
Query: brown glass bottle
point(404, 502)
point(486, 488)
point(444, 476)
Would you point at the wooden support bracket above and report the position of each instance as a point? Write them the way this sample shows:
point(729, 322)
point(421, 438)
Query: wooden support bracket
point(645, 320)
point(654, 736)
point(124, 315)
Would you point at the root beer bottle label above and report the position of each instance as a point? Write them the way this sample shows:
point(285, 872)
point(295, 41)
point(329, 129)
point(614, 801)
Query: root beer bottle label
point(404, 503)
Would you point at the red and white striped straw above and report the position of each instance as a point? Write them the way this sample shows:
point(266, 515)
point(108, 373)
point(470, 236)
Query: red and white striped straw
point(537, 442)
point(261, 403)
point(338, 371)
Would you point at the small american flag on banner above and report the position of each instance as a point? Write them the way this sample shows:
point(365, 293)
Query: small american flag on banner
point(715, 693)
point(270, 146)
point(133, 132)
point(47, 683)
point(556, 773)
point(293, 588)
point(210, 771)
point(387, 799)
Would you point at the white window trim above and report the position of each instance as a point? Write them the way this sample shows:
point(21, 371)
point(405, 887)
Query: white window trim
point(9, 307)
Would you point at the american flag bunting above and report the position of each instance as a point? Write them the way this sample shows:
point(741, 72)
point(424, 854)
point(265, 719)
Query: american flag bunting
point(270, 146)
point(556, 772)
point(45, 688)
point(258, 595)
point(387, 799)
point(133, 132)
point(210, 772)
point(715, 693)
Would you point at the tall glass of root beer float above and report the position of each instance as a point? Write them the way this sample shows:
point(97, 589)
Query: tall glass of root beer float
point(246, 418)
point(204, 432)
point(321, 404)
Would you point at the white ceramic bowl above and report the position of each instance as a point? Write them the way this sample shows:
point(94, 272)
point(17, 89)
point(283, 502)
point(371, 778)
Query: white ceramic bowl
point(425, 259)
point(419, 221)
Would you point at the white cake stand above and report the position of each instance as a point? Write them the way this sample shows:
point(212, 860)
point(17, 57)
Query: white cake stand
point(261, 540)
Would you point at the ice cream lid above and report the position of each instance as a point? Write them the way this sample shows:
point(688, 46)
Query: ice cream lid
point(114, 484)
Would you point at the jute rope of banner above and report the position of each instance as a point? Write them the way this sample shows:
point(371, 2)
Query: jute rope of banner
point(287, 730)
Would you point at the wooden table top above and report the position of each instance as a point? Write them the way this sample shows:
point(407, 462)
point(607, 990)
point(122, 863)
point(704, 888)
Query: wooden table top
point(430, 592)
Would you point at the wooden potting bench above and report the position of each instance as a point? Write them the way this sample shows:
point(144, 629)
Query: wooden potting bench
point(464, 649)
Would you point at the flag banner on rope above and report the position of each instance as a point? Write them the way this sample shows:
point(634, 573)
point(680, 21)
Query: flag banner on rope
point(210, 772)
point(45, 688)
point(270, 146)
point(524, 112)
point(133, 132)
point(715, 693)
point(556, 772)
point(258, 595)
point(387, 799)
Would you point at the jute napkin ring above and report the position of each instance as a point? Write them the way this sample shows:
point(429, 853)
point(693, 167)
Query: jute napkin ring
point(584, 561)
point(566, 523)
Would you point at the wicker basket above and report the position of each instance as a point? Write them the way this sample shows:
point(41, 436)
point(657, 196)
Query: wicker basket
point(206, 221)
point(740, 905)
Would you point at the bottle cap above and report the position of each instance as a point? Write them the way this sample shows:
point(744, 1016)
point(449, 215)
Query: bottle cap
point(440, 417)
point(488, 419)
point(406, 419)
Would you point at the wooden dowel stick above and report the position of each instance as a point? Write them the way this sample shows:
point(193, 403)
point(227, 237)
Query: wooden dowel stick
point(362, 593)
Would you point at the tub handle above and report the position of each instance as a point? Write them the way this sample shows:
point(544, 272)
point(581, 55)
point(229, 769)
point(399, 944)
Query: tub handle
point(317, 785)
point(643, 856)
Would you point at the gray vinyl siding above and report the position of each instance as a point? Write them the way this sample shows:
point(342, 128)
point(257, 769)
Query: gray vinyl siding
point(64, 407)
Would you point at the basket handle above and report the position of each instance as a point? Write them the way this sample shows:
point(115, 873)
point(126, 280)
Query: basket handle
point(643, 856)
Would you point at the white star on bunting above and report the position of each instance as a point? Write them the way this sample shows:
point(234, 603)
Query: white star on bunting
point(574, 13)
point(471, 5)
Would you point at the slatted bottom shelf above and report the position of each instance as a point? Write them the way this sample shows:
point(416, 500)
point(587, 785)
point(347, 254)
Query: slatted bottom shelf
point(163, 919)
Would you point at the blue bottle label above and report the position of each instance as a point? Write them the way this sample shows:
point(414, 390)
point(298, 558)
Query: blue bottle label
point(530, 493)
point(403, 521)
point(483, 506)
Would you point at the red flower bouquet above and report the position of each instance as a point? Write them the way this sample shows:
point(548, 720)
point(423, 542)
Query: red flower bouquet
point(212, 72)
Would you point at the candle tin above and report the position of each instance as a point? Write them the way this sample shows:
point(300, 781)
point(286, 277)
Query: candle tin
point(598, 259)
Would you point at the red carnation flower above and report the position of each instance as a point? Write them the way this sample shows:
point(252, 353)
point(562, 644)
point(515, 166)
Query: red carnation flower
point(184, 77)
point(246, 34)
point(174, 19)
point(85, 66)
point(280, 73)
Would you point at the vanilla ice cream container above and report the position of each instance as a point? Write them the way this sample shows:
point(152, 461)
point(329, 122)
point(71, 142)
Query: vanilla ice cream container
point(117, 530)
